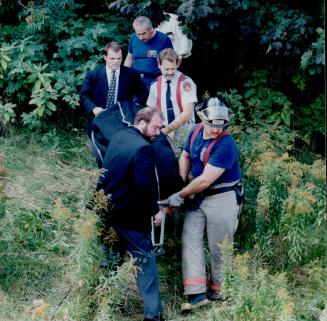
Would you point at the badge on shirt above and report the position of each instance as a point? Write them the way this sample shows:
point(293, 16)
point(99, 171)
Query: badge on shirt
point(152, 53)
point(187, 86)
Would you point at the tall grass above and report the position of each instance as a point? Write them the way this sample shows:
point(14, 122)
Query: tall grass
point(49, 240)
point(49, 245)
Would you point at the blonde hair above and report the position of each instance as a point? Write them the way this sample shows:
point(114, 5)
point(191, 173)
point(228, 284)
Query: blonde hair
point(168, 54)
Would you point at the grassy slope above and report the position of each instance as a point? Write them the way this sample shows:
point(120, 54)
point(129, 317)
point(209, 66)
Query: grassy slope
point(41, 170)
point(48, 244)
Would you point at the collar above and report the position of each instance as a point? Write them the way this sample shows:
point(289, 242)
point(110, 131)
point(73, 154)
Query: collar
point(109, 71)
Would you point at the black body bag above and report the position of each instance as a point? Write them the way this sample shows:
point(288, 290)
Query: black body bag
point(121, 115)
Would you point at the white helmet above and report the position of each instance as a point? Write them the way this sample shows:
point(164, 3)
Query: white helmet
point(214, 112)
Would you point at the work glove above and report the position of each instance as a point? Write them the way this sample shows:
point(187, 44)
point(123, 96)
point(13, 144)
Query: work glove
point(173, 200)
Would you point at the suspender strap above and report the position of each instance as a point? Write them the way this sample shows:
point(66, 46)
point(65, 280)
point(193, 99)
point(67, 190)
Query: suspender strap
point(181, 78)
point(179, 93)
point(211, 145)
point(195, 133)
point(159, 81)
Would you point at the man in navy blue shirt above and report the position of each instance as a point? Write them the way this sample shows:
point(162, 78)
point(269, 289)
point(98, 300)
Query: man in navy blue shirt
point(212, 156)
point(143, 49)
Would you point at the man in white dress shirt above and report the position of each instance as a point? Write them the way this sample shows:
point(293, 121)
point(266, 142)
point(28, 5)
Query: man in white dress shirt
point(174, 94)
point(100, 90)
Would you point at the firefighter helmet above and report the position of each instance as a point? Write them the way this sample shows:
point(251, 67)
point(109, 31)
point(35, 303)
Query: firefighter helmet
point(214, 112)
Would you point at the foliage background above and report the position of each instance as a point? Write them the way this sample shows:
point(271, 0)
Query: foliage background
point(269, 52)
point(266, 58)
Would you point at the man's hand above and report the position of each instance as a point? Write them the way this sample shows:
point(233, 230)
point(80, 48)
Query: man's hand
point(173, 200)
point(165, 131)
point(97, 110)
point(157, 218)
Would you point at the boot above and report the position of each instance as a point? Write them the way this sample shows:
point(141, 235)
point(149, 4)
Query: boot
point(195, 301)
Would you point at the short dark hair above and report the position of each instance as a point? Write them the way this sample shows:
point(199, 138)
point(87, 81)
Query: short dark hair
point(167, 54)
point(146, 114)
point(114, 46)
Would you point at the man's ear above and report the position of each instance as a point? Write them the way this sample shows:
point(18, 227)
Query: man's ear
point(142, 124)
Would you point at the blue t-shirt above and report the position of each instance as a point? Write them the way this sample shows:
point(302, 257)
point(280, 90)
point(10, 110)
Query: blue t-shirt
point(145, 53)
point(224, 154)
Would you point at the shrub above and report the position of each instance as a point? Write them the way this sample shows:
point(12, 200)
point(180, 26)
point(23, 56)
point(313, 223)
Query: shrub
point(251, 293)
point(43, 66)
point(289, 204)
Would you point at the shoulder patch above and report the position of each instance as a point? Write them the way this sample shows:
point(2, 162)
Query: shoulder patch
point(187, 86)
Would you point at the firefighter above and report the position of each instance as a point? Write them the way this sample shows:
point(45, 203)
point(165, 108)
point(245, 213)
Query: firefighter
point(212, 200)
point(175, 95)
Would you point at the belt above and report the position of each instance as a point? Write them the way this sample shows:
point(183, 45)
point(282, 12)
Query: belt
point(214, 191)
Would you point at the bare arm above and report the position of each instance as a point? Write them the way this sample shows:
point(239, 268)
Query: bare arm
point(180, 119)
point(129, 60)
point(184, 164)
point(209, 175)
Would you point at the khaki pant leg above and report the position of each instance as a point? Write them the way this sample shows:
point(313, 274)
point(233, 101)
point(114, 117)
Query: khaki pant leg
point(221, 211)
point(194, 272)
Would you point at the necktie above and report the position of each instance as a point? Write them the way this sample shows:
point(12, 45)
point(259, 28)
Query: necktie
point(112, 90)
point(169, 104)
